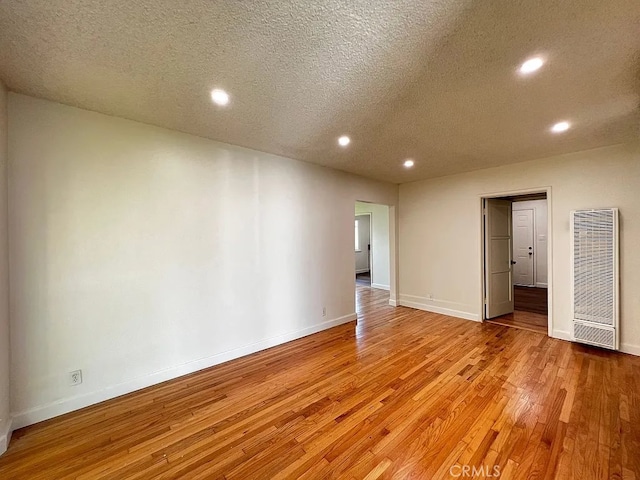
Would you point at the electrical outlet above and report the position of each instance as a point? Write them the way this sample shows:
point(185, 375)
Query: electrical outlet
point(324, 311)
point(75, 377)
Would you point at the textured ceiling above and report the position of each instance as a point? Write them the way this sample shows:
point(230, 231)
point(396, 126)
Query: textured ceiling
point(432, 80)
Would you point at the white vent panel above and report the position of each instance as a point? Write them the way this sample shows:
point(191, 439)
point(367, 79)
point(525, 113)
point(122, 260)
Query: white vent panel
point(594, 253)
point(604, 337)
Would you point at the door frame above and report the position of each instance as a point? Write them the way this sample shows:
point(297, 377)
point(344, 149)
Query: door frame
point(370, 253)
point(511, 193)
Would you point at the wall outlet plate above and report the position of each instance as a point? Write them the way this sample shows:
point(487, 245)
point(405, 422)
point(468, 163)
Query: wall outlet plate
point(75, 377)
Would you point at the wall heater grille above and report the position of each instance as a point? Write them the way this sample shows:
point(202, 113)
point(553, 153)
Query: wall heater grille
point(594, 252)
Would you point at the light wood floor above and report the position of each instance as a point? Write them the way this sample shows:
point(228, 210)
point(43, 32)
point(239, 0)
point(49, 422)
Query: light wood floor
point(535, 322)
point(406, 394)
point(531, 299)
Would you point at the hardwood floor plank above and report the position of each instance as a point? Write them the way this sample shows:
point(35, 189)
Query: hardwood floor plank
point(534, 322)
point(401, 394)
point(530, 299)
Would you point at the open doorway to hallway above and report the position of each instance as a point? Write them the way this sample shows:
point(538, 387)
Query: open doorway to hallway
point(363, 239)
point(372, 248)
point(515, 247)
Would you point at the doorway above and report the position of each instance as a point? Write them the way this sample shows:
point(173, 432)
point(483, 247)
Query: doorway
point(373, 245)
point(373, 264)
point(363, 248)
point(515, 248)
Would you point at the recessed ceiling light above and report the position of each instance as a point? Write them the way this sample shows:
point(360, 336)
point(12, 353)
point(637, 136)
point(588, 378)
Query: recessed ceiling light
point(408, 163)
point(344, 141)
point(219, 97)
point(560, 127)
point(531, 65)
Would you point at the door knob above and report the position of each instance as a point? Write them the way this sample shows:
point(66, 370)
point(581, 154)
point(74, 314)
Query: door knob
point(513, 262)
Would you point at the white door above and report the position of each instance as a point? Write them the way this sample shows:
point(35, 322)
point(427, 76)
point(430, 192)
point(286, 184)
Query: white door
point(497, 241)
point(523, 247)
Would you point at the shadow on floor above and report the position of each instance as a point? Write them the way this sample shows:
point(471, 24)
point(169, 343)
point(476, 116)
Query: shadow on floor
point(363, 279)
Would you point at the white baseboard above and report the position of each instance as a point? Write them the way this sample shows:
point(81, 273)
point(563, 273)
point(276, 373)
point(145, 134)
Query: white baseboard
point(380, 286)
point(630, 349)
point(422, 303)
point(562, 335)
point(624, 347)
point(393, 303)
point(6, 430)
point(44, 412)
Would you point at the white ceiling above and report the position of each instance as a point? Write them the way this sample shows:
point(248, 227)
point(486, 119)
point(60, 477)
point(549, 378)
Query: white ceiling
point(432, 80)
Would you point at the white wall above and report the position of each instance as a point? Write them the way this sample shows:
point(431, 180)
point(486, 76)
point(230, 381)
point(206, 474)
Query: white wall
point(539, 208)
point(5, 421)
point(139, 254)
point(380, 245)
point(439, 231)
